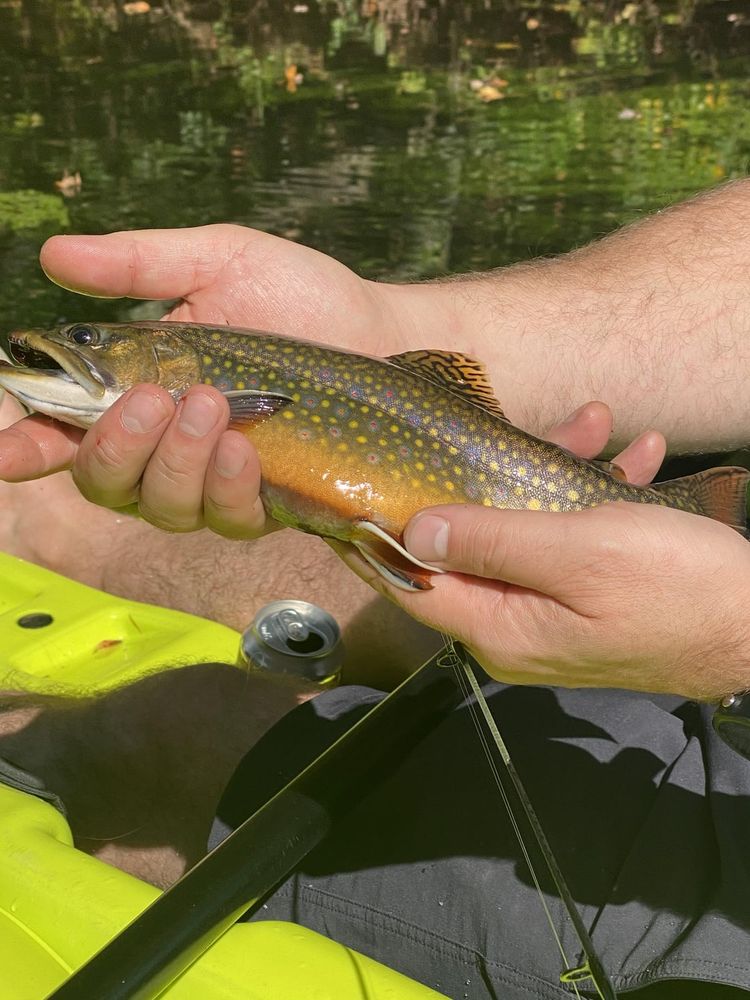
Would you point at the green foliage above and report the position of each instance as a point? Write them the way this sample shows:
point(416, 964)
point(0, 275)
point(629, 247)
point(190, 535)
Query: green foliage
point(32, 210)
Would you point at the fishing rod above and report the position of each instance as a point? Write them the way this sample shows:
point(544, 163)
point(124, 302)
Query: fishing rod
point(454, 656)
point(235, 878)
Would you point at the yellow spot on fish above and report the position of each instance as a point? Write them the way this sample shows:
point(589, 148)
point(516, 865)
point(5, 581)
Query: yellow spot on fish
point(342, 447)
point(554, 506)
point(573, 495)
point(325, 402)
point(463, 439)
point(481, 477)
point(602, 484)
point(551, 486)
point(589, 488)
point(288, 350)
point(361, 439)
point(354, 424)
point(391, 456)
point(287, 415)
point(494, 466)
point(521, 470)
point(415, 483)
point(419, 466)
point(239, 385)
point(431, 477)
point(457, 470)
point(207, 360)
point(518, 491)
point(433, 432)
point(452, 450)
point(315, 418)
point(535, 460)
point(216, 371)
point(364, 409)
point(502, 445)
point(553, 467)
point(449, 486)
point(536, 480)
point(533, 504)
point(487, 502)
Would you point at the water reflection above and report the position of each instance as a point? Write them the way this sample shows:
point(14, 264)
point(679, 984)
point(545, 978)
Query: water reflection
point(408, 138)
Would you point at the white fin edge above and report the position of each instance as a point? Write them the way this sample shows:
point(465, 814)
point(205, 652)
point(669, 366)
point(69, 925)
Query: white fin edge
point(385, 537)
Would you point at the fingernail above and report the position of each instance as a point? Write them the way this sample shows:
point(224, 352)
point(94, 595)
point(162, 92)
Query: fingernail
point(143, 412)
point(427, 537)
point(198, 414)
point(231, 457)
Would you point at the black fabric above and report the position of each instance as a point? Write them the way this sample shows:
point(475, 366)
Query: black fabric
point(646, 809)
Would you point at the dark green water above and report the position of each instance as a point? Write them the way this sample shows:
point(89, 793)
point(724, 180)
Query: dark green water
point(384, 155)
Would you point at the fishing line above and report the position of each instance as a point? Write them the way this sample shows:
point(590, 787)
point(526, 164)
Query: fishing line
point(592, 968)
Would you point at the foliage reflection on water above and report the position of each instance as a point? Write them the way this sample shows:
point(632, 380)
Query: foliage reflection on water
point(409, 138)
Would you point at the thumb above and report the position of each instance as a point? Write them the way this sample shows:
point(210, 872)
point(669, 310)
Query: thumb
point(145, 264)
point(527, 548)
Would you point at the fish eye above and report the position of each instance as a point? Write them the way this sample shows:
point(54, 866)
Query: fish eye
point(83, 335)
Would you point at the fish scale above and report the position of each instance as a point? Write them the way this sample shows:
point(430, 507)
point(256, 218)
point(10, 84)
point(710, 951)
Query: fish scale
point(351, 446)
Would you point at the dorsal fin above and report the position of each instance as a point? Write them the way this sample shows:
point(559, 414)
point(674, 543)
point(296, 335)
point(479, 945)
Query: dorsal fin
point(451, 370)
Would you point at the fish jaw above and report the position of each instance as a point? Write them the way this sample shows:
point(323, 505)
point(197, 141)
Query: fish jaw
point(56, 394)
point(41, 345)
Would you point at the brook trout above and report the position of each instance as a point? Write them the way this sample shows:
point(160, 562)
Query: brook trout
point(350, 446)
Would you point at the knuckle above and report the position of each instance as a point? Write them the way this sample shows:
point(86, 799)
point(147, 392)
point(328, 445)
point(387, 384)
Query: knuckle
point(483, 545)
point(177, 521)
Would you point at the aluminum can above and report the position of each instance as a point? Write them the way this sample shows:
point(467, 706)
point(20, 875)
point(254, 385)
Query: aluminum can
point(296, 639)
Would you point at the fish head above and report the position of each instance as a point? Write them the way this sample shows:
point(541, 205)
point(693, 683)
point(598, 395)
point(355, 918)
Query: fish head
point(76, 371)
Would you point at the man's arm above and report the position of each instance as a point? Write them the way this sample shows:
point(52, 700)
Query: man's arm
point(653, 319)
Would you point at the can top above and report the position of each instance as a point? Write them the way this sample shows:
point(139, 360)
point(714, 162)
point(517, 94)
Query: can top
point(294, 637)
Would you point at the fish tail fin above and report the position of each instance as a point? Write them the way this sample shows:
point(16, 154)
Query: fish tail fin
point(719, 493)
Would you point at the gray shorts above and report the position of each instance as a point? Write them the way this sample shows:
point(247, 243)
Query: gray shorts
point(647, 812)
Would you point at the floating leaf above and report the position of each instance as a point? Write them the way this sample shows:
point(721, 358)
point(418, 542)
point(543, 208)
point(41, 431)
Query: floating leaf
point(136, 7)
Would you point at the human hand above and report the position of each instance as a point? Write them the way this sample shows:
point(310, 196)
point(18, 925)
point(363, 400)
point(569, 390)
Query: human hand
point(625, 595)
point(179, 463)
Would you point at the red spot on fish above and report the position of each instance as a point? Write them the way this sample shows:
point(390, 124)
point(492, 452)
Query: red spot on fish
point(389, 393)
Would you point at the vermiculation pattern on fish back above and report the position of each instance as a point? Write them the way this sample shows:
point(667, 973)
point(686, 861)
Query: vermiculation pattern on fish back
point(418, 435)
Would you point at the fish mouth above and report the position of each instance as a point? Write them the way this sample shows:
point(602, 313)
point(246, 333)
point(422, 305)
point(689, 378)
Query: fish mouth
point(46, 355)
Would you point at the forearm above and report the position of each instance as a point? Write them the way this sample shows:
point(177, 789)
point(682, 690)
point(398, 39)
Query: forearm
point(653, 320)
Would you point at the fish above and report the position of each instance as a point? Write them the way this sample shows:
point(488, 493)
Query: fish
point(351, 446)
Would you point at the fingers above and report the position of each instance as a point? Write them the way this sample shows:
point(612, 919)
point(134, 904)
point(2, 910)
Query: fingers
point(178, 463)
point(642, 458)
point(36, 446)
point(231, 503)
point(114, 454)
point(586, 431)
point(148, 264)
point(526, 548)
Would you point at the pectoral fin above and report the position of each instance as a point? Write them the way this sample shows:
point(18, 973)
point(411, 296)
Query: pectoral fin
point(385, 554)
point(248, 407)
